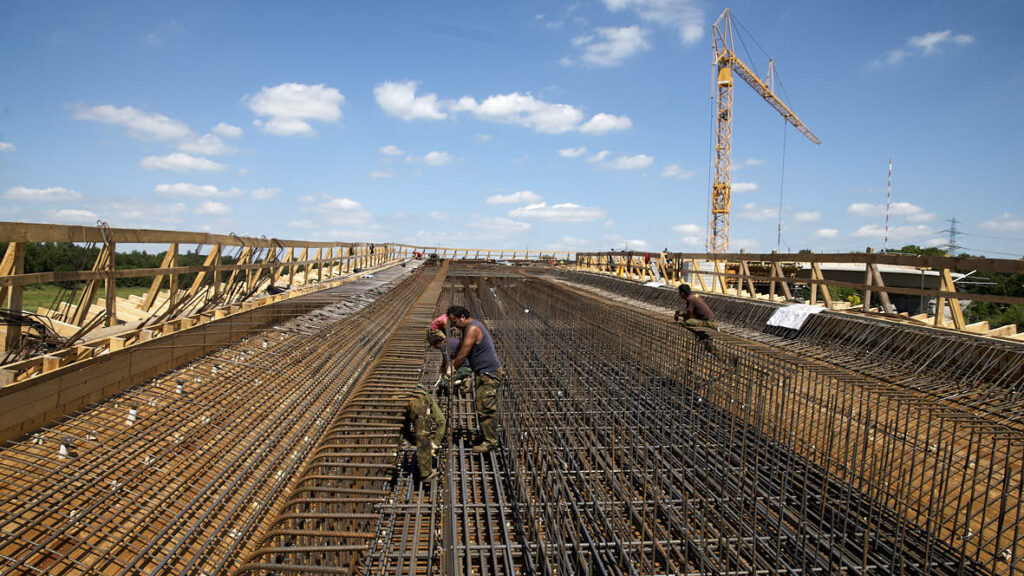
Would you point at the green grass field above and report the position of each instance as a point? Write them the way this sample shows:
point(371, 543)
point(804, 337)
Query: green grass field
point(38, 295)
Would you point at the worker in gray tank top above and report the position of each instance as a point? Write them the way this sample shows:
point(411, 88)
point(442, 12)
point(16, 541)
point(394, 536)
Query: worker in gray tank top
point(477, 350)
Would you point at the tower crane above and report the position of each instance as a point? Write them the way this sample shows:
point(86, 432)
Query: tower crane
point(726, 62)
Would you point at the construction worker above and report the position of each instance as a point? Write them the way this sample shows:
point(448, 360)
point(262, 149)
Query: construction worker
point(436, 340)
point(424, 428)
point(438, 327)
point(697, 313)
point(477, 350)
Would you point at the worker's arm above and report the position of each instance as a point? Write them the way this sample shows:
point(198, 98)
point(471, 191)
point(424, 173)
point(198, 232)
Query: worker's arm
point(472, 336)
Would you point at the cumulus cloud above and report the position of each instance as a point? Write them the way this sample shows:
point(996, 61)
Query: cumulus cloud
point(304, 224)
point(376, 174)
point(523, 110)
point(211, 208)
point(73, 216)
point(498, 227)
point(826, 233)
point(196, 190)
point(8, 147)
point(483, 137)
point(180, 162)
point(343, 212)
point(399, 99)
point(226, 130)
point(912, 212)
point(572, 152)
point(52, 194)
point(608, 47)
point(1005, 222)
point(636, 162)
point(741, 187)
point(687, 228)
point(139, 124)
point(265, 193)
point(432, 158)
point(566, 212)
point(748, 163)
point(685, 16)
point(754, 212)
point(208, 144)
point(437, 215)
point(390, 150)
point(601, 123)
point(806, 216)
point(599, 157)
point(520, 197)
point(895, 232)
point(926, 44)
point(677, 171)
point(288, 108)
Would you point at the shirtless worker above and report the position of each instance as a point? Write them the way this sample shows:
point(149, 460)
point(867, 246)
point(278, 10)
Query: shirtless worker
point(477, 349)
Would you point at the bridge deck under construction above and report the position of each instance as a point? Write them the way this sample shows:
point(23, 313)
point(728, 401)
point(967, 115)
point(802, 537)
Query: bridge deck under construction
point(629, 446)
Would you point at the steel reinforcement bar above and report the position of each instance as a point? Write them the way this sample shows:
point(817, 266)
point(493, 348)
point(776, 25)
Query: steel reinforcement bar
point(180, 475)
point(639, 449)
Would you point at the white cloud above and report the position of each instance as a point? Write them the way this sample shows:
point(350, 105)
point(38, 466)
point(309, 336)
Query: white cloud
point(304, 224)
point(161, 34)
point(912, 212)
point(572, 152)
point(609, 224)
point(343, 212)
point(925, 44)
point(390, 150)
point(433, 158)
point(264, 193)
point(523, 110)
point(207, 144)
point(196, 190)
point(483, 137)
point(686, 16)
point(748, 163)
point(381, 174)
point(609, 47)
point(1005, 222)
point(520, 197)
point(8, 147)
point(71, 216)
point(630, 162)
point(289, 107)
point(741, 187)
point(399, 99)
point(895, 232)
point(826, 233)
point(599, 157)
point(498, 227)
point(929, 43)
point(692, 234)
point(437, 215)
point(677, 171)
point(138, 123)
point(52, 194)
point(806, 216)
point(601, 123)
point(211, 208)
point(227, 130)
point(143, 213)
point(567, 212)
point(346, 204)
point(180, 162)
point(754, 212)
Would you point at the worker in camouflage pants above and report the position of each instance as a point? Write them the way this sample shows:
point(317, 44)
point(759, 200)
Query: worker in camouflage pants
point(424, 428)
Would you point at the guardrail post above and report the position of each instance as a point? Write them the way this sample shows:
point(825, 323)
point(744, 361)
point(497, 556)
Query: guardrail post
point(13, 263)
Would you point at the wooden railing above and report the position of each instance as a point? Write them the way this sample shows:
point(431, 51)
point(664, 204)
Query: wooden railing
point(497, 254)
point(772, 277)
point(258, 264)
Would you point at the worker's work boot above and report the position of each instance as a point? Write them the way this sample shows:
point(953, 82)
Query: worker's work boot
point(429, 477)
point(483, 448)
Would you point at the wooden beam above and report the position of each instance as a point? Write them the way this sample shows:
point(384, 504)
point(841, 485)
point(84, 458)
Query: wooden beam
point(13, 263)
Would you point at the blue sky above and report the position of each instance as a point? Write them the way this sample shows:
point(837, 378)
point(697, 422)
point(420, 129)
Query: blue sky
point(534, 125)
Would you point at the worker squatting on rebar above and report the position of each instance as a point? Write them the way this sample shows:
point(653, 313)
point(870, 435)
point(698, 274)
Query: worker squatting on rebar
point(477, 349)
point(437, 340)
point(697, 313)
point(424, 428)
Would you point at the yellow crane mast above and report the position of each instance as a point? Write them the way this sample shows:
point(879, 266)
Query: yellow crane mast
point(726, 62)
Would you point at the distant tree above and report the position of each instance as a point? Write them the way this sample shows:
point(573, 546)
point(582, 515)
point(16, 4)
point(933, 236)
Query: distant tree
point(915, 249)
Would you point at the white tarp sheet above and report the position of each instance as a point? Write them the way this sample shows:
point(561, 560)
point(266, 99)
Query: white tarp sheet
point(793, 316)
